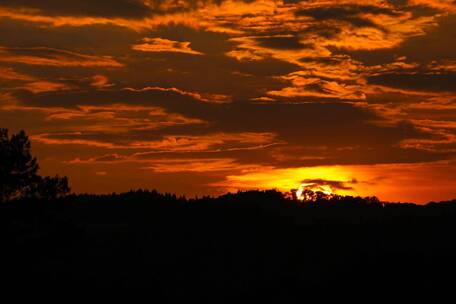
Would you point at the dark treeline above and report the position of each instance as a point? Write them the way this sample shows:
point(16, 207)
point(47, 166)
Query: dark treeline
point(258, 244)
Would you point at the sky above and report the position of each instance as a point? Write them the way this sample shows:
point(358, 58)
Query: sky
point(203, 97)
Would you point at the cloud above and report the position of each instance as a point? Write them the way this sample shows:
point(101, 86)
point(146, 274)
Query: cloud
point(443, 5)
point(7, 73)
point(208, 143)
point(322, 184)
point(417, 81)
point(54, 57)
point(330, 123)
point(100, 82)
point(444, 140)
point(106, 158)
point(168, 165)
point(113, 118)
point(306, 86)
point(204, 97)
point(254, 48)
point(69, 139)
point(13, 80)
point(44, 86)
point(165, 45)
point(212, 143)
point(105, 8)
point(288, 42)
point(356, 15)
point(192, 165)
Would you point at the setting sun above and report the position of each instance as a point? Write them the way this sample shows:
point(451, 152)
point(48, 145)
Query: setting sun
point(300, 192)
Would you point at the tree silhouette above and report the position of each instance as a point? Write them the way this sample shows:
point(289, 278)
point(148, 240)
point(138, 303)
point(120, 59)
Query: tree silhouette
point(19, 171)
point(52, 187)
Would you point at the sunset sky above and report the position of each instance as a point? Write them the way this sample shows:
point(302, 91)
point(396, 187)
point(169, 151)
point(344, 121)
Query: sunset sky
point(204, 97)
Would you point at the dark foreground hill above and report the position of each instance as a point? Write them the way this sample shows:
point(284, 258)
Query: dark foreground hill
point(255, 245)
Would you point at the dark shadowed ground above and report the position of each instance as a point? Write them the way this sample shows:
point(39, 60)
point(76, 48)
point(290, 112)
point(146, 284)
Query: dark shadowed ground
point(255, 245)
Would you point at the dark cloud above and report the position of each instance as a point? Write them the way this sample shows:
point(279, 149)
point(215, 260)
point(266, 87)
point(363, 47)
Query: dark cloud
point(109, 158)
point(341, 12)
point(45, 56)
point(335, 185)
point(102, 8)
point(322, 30)
point(97, 38)
point(332, 125)
point(208, 43)
point(133, 9)
point(419, 82)
point(282, 42)
point(347, 13)
point(439, 42)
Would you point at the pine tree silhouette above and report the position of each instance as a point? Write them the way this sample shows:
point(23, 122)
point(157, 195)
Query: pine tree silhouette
point(19, 171)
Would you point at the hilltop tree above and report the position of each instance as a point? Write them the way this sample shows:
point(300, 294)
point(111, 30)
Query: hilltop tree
point(19, 171)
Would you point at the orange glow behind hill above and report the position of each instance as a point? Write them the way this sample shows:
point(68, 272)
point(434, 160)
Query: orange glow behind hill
point(394, 182)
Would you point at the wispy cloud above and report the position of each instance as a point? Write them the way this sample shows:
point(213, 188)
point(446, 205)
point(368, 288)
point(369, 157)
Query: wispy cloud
point(165, 45)
point(54, 57)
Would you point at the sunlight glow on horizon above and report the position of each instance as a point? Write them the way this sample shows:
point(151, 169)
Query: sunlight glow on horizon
point(389, 182)
point(315, 188)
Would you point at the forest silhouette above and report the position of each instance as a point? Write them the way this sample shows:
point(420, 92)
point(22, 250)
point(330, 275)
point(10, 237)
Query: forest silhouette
point(257, 245)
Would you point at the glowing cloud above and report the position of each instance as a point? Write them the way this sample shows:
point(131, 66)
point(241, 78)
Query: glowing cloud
point(165, 45)
point(54, 57)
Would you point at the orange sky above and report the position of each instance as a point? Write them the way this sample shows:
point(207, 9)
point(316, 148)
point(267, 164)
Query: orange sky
point(204, 97)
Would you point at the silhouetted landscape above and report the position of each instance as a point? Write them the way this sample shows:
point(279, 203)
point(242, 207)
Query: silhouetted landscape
point(259, 245)
point(254, 244)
